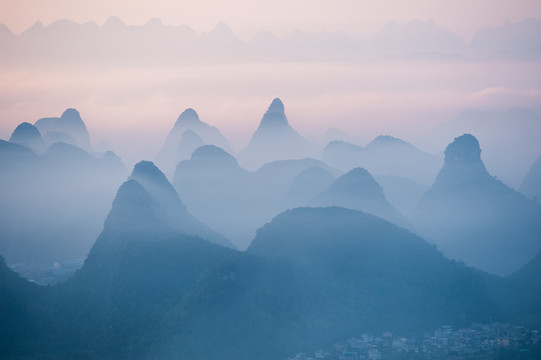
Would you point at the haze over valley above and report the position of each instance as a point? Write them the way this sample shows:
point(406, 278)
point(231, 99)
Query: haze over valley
point(344, 182)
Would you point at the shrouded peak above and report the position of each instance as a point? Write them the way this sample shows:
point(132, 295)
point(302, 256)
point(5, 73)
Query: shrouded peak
point(276, 106)
point(359, 178)
point(114, 22)
point(71, 114)
point(132, 210)
point(145, 171)
point(464, 148)
point(25, 131)
point(222, 29)
point(188, 116)
point(191, 136)
point(132, 193)
point(63, 149)
point(350, 190)
point(154, 23)
point(274, 117)
point(386, 140)
point(213, 154)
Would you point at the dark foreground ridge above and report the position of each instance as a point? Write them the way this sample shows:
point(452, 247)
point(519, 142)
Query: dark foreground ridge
point(313, 276)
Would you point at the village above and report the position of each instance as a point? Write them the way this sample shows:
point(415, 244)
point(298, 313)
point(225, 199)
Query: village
point(479, 341)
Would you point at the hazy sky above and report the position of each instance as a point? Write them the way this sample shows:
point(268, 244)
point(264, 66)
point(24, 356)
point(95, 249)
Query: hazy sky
point(353, 16)
point(134, 108)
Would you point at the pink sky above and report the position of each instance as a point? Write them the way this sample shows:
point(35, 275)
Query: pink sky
point(134, 108)
point(354, 16)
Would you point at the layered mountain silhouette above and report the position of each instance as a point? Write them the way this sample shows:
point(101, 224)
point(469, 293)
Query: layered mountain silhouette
point(231, 199)
point(343, 155)
point(28, 135)
point(14, 155)
point(309, 271)
point(519, 129)
point(279, 174)
point(531, 185)
point(217, 191)
point(54, 205)
point(309, 183)
point(385, 155)
point(69, 127)
point(402, 193)
point(473, 217)
point(188, 134)
point(274, 140)
point(358, 190)
point(149, 201)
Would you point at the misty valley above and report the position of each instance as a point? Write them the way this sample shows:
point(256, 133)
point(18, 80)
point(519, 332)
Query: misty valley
point(284, 250)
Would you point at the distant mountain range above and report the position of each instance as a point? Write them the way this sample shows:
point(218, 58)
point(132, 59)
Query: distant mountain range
point(118, 43)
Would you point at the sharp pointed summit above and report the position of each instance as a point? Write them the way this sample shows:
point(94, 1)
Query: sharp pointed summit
point(274, 140)
point(276, 106)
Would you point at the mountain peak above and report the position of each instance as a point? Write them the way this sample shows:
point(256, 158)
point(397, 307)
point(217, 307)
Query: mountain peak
point(25, 131)
point(276, 106)
point(464, 148)
point(133, 210)
point(114, 22)
point(462, 163)
point(145, 168)
point(214, 154)
point(71, 113)
point(383, 140)
point(146, 173)
point(358, 190)
point(5, 30)
point(154, 23)
point(351, 190)
point(188, 116)
point(275, 115)
point(359, 179)
point(222, 29)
